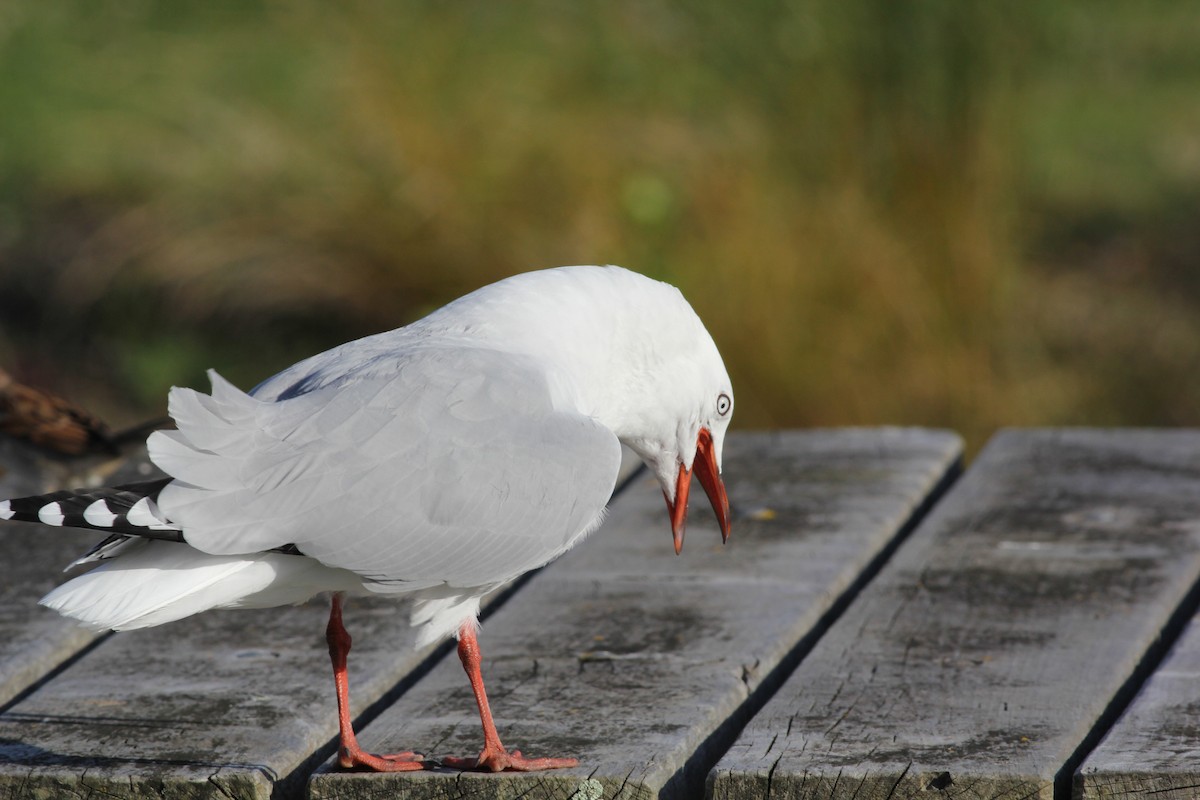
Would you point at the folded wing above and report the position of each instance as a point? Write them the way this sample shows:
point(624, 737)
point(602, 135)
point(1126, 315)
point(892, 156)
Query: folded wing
point(451, 467)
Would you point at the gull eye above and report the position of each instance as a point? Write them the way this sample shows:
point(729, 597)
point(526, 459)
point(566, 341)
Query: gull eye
point(723, 404)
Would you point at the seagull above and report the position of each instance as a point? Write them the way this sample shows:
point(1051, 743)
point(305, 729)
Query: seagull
point(437, 461)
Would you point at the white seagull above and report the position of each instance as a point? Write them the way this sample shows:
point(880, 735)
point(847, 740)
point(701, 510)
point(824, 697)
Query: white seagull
point(439, 461)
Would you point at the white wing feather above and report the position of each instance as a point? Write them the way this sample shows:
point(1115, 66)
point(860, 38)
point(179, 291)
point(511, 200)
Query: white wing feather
point(154, 582)
point(447, 466)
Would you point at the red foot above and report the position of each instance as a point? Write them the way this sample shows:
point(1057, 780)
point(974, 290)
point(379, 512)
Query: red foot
point(502, 761)
point(394, 762)
point(350, 755)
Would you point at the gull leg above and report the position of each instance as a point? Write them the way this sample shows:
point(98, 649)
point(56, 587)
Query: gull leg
point(350, 755)
point(494, 757)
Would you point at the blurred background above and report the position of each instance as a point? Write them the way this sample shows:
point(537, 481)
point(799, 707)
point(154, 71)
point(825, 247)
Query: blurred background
point(948, 213)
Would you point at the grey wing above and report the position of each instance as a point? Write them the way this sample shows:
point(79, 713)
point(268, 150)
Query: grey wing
point(456, 470)
point(379, 356)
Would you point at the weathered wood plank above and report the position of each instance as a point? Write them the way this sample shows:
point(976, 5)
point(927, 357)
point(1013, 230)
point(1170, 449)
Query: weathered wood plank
point(226, 704)
point(35, 640)
point(230, 701)
point(1154, 749)
point(985, 652)
point(639, 662)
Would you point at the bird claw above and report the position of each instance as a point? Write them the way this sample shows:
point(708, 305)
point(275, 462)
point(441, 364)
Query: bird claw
point(503, 761)
point(392, 762)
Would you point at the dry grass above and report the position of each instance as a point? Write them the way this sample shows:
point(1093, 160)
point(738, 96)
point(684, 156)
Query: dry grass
point(883, 212)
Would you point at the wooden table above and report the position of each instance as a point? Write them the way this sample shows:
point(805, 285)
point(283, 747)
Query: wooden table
point(878, 627)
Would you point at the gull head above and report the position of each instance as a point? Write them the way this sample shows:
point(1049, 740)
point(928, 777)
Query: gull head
point(626, 350)
point(688, 444)
point(675, 404)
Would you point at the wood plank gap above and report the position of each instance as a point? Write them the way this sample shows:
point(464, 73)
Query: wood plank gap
point(58, 669)
point(294, 784)
point(637, 656)
point(690, 779)
point(219, 705)
point(1067, 778)
point(987, 653)
point(35, 641)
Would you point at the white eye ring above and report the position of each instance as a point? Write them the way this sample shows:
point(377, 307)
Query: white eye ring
point(723, 404)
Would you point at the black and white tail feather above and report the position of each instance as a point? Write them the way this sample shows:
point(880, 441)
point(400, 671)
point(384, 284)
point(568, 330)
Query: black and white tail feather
point(126, 511)
point(159, 578)
point(129, 511)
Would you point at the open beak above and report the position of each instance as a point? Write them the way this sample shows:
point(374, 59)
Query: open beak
point(704, 467)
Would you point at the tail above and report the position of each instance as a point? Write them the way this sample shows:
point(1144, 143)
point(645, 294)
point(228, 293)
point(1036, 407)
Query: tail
point(157, 582)
point(130, 509)
point(152, 582)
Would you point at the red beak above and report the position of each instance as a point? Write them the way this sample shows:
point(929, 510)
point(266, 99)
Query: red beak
point(704, 466)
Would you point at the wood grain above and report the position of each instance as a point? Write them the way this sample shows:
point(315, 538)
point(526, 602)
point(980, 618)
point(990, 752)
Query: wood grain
point(643, 664)
point(1154, 749)
point(986, 651)
point(34, 640)
point(224, 704)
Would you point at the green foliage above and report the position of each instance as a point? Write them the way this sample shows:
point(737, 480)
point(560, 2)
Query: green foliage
point(947, 213)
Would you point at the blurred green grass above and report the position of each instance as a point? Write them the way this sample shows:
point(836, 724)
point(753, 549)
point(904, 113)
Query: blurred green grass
point(957, 214)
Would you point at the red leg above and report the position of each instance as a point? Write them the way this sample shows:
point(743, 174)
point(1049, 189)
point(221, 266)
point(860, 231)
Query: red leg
point(494, 757)
point(350, 755)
